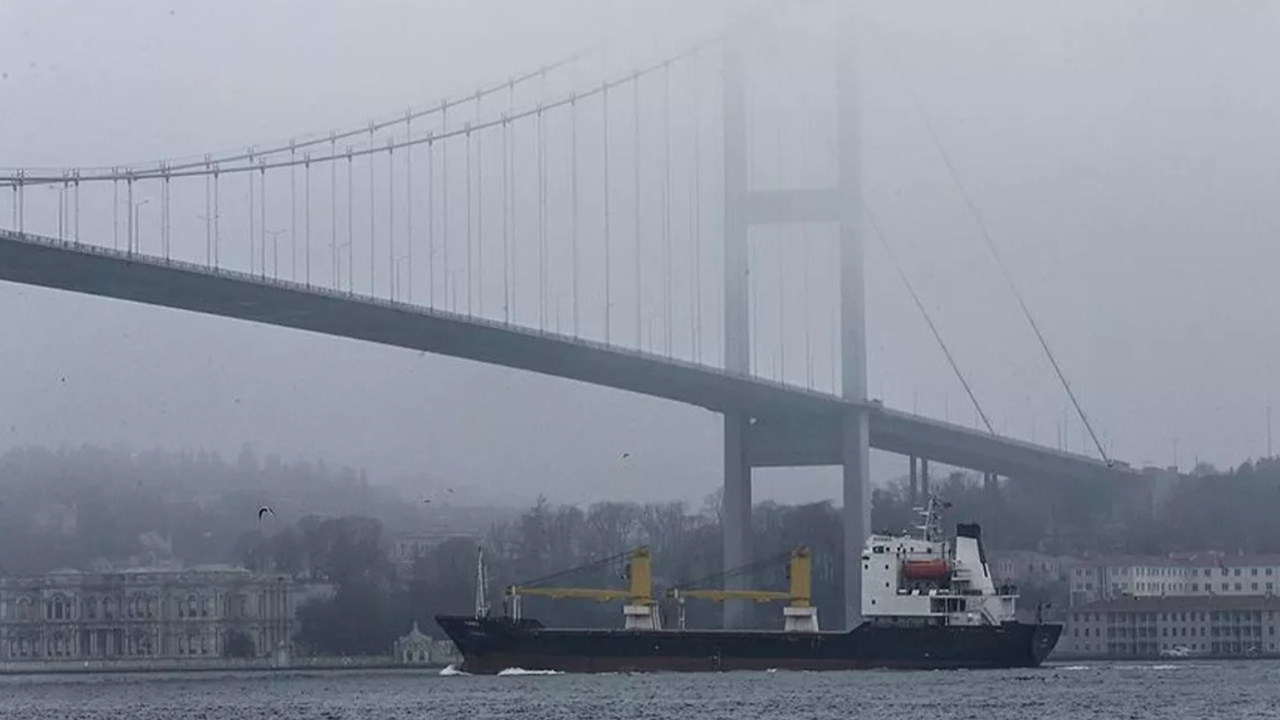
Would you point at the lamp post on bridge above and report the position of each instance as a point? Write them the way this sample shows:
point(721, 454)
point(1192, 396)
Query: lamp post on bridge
point(337, 266)
point(275, 255)
point(62, 207)
point(396, 264)
point(135, 242)
point(211, 252)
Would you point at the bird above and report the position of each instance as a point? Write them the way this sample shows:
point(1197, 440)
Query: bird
point(450, 490)
point(626, 455)
point(427, 500)
point(265, 510)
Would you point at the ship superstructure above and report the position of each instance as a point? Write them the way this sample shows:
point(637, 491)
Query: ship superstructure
point(926, 579)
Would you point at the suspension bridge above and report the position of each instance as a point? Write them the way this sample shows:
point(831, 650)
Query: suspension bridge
point(606, 232)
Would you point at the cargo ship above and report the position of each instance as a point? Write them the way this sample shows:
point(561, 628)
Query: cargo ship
point(928, 602)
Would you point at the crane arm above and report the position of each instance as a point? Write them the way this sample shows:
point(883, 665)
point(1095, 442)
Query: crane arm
point(799, 580)
point(599, 595)
point(723, 595)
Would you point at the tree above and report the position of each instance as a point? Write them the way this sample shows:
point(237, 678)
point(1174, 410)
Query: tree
point(363, 616)
point(238, 644)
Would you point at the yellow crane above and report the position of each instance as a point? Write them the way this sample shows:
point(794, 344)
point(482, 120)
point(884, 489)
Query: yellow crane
point(639, 594)
point(799, 593)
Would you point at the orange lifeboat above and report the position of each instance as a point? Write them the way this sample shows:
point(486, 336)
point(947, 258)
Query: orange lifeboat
point(926, 570)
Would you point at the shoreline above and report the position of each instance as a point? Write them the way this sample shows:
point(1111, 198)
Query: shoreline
point(88, 667)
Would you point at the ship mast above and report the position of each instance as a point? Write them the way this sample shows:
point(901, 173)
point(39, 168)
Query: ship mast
point(930, 525)
point(482, 585)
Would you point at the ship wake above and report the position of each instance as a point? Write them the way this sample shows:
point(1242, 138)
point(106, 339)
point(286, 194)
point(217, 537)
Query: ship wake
point(517, 672)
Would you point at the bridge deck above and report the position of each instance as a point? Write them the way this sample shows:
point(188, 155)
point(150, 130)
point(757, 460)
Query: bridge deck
point(796, 426)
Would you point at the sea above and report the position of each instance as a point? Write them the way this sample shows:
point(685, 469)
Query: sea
point(1183, 689)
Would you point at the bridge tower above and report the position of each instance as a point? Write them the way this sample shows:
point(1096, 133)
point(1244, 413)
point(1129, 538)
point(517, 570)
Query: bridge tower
point(745, 207)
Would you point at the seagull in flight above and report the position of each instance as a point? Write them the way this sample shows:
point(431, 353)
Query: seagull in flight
point(265, 510)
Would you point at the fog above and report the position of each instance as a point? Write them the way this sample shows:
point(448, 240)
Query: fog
point(1123, 155)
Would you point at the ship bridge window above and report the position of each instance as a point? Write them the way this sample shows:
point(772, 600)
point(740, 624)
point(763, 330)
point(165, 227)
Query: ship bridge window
point(878, 549)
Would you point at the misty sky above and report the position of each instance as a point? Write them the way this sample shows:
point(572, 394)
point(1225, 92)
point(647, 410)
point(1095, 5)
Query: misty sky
point(1123, 155)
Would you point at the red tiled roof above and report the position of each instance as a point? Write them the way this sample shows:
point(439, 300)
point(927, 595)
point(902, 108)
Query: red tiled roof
point(1196, 560)
point(1174, 603)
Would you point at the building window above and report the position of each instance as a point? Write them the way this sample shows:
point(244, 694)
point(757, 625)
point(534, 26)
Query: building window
point(1253, 586)
point(1268, 572)
point(1195, 587)
point(1236, 572)
point(191, 606)
point(1237, 586)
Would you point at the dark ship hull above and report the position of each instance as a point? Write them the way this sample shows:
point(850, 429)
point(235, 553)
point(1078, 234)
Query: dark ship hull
point(490, 645)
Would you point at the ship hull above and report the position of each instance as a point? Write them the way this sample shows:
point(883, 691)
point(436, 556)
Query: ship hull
point(490, 645)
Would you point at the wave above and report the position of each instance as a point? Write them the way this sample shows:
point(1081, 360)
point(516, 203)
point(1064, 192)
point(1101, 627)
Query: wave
point(509, 672)
point(453, 671)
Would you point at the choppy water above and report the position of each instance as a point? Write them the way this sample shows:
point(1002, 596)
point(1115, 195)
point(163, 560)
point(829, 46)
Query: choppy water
point(1188, 690)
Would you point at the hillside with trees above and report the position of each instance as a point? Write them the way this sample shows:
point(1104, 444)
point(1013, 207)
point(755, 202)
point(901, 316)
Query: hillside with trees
point(91, 507)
